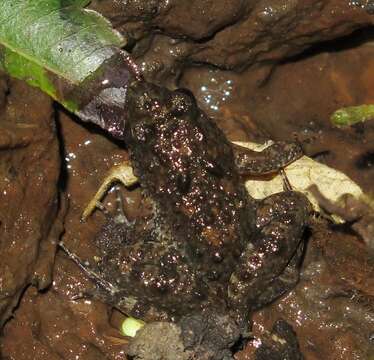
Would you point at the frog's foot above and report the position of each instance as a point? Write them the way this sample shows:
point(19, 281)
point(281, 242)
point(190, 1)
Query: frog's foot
point(122, 173)
point(269, 266)
point(271, 160)
point(347, 206)
point(211, 334)
point(355, 211)
point(93, 275)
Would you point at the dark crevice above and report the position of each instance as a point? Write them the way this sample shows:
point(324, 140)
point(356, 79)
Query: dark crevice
point(366, 161)
point(351, 41)
point(63, 178)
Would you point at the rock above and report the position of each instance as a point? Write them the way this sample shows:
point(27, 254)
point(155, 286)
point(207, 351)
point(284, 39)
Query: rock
point(228, 34)
point(29, 172)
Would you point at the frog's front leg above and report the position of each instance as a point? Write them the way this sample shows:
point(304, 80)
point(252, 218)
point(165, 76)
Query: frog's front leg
point(122, 173)
point(106, 291)
point(272, 159)
point(269, 265)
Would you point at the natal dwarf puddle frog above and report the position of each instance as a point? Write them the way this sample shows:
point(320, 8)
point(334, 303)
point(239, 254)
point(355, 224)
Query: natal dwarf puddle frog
point(207, 244)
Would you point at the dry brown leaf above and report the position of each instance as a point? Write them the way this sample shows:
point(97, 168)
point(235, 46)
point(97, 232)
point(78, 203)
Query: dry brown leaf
point(301, 174)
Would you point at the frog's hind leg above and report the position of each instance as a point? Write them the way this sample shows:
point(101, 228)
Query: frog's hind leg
point(268, 161)
point(269, 265)
point(120, 173)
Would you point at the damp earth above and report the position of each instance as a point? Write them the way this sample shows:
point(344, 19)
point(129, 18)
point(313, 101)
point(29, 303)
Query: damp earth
point(260, 70)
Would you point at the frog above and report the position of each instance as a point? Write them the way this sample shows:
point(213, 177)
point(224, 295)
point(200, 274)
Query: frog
point(205, 245)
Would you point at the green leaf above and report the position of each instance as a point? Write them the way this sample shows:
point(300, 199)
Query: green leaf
point(352, 115)
point(54, 44)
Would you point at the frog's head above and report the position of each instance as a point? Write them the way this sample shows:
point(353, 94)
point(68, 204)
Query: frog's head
point(149, 105)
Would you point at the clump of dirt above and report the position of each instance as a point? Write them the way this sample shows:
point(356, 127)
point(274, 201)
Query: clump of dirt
point(234, 57)
point(203, 336)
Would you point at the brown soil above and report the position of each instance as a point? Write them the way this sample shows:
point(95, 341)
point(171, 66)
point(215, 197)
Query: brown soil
point(235, 58)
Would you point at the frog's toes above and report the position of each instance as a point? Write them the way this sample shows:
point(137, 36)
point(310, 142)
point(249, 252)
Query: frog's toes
point(120, 216)
point(269, 161)
point(92, 274)
point(122, 173)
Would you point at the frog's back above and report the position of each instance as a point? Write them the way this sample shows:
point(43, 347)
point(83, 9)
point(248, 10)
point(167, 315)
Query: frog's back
point(185, 163)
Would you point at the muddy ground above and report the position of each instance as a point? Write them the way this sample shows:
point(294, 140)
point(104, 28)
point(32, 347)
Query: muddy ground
point(261, 70)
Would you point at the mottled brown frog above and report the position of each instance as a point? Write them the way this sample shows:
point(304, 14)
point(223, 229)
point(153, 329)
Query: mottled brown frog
point(206, 244)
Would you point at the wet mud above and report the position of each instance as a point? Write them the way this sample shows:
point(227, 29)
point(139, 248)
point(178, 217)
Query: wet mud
point(30, 168)
point(261, 70)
